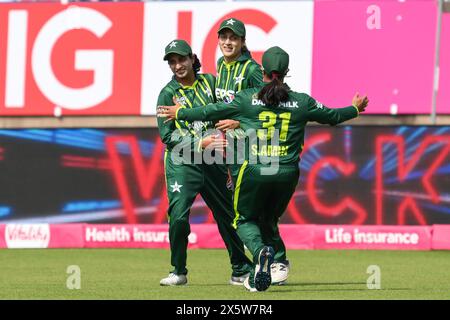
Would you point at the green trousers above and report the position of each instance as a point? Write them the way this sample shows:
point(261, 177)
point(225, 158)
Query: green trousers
point(184, 182)
point(280, 250)
point(259, 202)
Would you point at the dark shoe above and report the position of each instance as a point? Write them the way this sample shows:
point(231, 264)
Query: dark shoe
point(263, 278)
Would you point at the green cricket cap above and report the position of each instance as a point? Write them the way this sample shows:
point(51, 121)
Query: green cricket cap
point(234, 25)
point(178, 46)
point(276, 60)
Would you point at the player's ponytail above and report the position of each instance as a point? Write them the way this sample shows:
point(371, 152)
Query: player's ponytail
point(275, 91)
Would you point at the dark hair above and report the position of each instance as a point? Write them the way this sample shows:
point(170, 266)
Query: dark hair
point(275, 91)
point(245, 50)
point(197, 65)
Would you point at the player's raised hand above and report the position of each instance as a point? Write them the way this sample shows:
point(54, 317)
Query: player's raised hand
point(360, 102)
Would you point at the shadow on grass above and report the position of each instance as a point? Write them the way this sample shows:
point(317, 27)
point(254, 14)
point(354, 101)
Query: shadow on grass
point(224, 285)
point(322, 283)
point(336, 290)
point(302, 287)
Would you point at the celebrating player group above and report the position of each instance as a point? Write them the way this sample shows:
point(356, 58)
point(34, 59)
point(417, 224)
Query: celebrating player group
point(248, 112)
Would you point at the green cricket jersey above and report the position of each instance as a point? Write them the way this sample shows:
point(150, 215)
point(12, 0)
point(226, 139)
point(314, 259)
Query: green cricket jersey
point(199, 94)
point(235, 76)
point(287, 121)
point(241, 74)
point(209, 180)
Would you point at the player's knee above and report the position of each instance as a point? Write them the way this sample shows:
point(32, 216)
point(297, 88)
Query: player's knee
point(180, 224)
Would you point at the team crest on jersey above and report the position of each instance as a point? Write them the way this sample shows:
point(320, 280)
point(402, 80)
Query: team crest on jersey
point(319, 105)
point(181, 100)
point(228, 99)
point(208, 92)
point(239, 79)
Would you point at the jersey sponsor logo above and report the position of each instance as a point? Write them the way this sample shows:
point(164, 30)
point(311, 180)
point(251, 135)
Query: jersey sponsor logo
point(226, 96)
point(228, 99)
point(288, 104)
point(257, 102)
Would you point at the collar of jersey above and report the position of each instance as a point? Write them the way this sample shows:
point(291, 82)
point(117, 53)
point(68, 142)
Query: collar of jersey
point(189, 87)
point(242, 57)
point(178, 85)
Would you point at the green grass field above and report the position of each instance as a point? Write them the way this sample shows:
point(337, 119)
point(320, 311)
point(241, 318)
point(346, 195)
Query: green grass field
point(135, 274)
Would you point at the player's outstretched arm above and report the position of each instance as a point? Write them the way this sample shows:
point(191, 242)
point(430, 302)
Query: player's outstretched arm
point(213, 112)
point(321, 114)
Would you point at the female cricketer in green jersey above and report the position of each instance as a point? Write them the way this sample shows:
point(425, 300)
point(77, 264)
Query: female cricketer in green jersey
point(236, 71)
point(185, 181)
point(277, 116)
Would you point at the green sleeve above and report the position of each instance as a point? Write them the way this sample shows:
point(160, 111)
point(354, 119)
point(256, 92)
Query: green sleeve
point(211, 112)
point(169, 133)
point(255, 77)
point(321, 114)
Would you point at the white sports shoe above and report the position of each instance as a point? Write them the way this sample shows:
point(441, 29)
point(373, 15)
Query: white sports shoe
point(239, 281)
point(247, 285)
point(174, 280)
point(279, 272)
